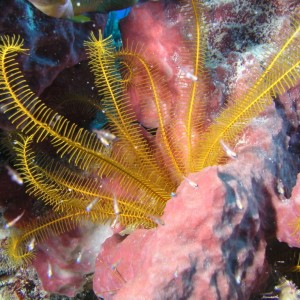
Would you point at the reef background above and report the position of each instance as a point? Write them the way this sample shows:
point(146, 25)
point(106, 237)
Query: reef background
point(239, 32)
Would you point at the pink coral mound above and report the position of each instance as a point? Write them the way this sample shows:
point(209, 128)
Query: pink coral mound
point(207, 248)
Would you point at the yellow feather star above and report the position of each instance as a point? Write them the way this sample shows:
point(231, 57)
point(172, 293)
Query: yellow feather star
point(145, 177)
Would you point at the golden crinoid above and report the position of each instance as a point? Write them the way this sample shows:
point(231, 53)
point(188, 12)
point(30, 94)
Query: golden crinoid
point(125, 175)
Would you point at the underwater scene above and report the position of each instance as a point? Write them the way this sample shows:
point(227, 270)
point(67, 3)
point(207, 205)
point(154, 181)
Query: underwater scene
point(149, 149)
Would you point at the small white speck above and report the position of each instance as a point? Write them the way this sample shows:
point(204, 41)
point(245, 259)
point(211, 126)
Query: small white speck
point(78, 259)
point(31, 244)
point(191, 183)
point(49, 270)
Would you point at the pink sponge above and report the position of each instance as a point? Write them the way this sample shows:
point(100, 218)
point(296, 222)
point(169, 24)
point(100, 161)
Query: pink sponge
point(208, 247)
point(214, 238)
point(288, 213)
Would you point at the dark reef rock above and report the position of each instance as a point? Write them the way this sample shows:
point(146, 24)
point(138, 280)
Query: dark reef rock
point(54, 44)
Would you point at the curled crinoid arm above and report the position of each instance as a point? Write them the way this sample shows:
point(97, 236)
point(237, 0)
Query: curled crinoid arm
point(104, 65)
point(69, 192)
point(147, 80)
point(21, 244)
